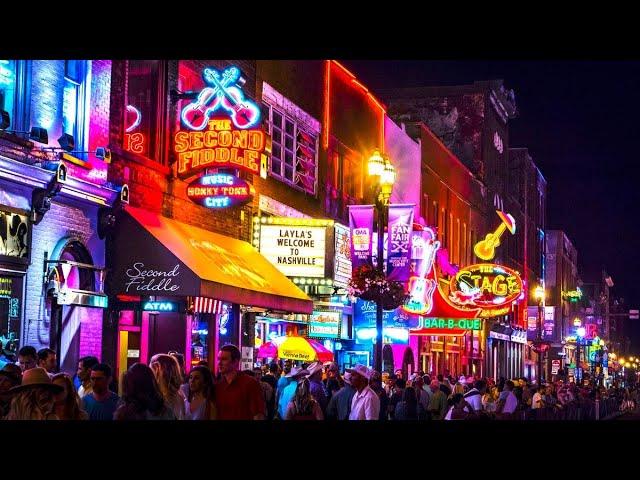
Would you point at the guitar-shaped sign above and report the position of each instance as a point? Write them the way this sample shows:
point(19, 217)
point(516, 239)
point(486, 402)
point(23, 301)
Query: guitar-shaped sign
point(196, 115)
point(421, 295)
point(244, 113)
point(486, 249)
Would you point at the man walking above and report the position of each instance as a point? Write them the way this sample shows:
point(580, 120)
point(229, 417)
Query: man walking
point(101, 403)
point(365, 404)
point(340, 404)
point(85, 364)
point(47, 360)
point(316, 387)
point(27, 358)
point(237, 395)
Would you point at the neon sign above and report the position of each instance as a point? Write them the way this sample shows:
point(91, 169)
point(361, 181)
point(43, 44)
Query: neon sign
point(424, 248)
point(159, 307)
point(134, 141)
point(486, 249)
point(486, 286)
point(218, 147)
point(220, 191)
point(573, 295)
point(223, 93)
point(452, 323)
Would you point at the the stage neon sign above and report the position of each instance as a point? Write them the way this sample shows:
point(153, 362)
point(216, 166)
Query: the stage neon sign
point(486, 286)
point(220, 191)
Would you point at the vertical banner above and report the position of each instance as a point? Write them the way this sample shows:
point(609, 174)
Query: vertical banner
point(361, 225)
point(399, 242)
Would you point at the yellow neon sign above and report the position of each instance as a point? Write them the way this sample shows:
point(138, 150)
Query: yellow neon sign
point(486, 249)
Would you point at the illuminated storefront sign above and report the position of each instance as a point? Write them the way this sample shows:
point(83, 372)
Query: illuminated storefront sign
point(325, 324)
point(573, 295)
point(452, 323)
point(226, 140)
point(295, 250)
point(486, 249)
point(342, 261)
point(159, 307)
point(486, 286)
point(389, 335)
point(14, 236)
point(220, 191)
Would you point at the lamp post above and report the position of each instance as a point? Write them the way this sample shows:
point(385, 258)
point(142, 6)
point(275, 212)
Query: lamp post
point(539, 294)
point(384, 175)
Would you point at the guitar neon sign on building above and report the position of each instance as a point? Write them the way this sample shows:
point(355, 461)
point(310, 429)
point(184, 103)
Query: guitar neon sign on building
point(219, 125)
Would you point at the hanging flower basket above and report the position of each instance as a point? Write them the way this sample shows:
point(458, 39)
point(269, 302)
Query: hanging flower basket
point(371, 284)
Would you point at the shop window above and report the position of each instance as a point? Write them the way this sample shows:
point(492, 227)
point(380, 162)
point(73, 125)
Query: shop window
point(294, 151)
point(11, 305)
point(141, 118)
point(74, 104)
point(13, 92)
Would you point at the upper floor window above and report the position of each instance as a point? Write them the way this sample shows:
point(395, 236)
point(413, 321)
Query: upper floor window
point(141, 114)
point(14, 98)
point(295, 137)
point(74, 101)
point(294, 151)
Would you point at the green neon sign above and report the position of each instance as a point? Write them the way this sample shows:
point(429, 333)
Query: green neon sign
point(453, 323)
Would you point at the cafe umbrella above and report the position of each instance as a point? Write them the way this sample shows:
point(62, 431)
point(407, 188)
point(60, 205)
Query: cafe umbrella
point(295, 348)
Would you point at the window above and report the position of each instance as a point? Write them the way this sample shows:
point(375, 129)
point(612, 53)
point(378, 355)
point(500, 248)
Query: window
point(73, 101)
point(458, 242)
point(14, 77)
point(294, 151)
point(424, 208)
point(141, 118)
point(451, 237)
point(434, 216)
point(465, 253)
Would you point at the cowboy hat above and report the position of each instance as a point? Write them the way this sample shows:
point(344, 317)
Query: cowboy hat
point(360, 370)
point(36, 377)
point(314, 368)
point(297, 372)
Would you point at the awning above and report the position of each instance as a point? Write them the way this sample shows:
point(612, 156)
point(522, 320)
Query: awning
point(155, 255)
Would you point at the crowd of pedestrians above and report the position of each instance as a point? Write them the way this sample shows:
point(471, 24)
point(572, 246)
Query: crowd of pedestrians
point(30, 389)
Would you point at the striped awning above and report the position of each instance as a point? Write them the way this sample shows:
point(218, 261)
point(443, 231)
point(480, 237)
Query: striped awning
point(205, 305)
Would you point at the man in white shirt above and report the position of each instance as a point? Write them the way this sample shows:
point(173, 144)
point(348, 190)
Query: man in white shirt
point(538, 398)
point(84, 374)
point(365, 404)
point(507, 402)
point(474, 396)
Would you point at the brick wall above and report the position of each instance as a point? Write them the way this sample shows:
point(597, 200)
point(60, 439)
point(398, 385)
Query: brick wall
point(62, 221)
point(100, 98)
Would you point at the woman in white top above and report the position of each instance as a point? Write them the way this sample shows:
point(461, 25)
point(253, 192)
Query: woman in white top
point(199, 402)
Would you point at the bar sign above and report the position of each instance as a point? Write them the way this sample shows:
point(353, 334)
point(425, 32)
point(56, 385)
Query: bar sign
point(634, 314)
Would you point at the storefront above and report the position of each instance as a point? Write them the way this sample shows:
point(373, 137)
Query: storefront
point(505, 351)
point(15, 239)
point(179, 287)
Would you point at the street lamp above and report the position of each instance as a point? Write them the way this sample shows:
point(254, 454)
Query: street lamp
point(384, 176)
point(539, 294)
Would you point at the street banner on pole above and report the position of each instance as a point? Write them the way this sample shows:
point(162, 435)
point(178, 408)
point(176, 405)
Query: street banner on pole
point(399, 242)
point(361, 225)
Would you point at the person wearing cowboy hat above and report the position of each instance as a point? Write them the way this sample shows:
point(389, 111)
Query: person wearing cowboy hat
point(339, 406)
point(365, 404)
point(25, 405)
point(290, 390)
point(316, 387)
point(333, 382)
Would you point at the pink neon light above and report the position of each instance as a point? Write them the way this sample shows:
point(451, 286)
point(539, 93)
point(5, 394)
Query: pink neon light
point(144, 338)
point(327, 100)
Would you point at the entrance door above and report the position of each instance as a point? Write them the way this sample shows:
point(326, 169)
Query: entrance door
point(167, 331)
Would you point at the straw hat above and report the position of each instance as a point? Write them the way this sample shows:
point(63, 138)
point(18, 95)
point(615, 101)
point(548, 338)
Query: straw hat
point(297, 372)
point(314, 368)
point(36, 377)
point(360, 370)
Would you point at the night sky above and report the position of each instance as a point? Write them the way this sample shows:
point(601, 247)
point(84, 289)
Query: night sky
point(578, 120)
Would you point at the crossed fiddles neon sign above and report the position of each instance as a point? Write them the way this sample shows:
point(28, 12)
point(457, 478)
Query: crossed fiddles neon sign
point(224, 93)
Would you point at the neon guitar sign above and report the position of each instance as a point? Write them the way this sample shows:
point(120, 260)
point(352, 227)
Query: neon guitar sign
point(219, 131)
point(223, 93)
point(486, 249)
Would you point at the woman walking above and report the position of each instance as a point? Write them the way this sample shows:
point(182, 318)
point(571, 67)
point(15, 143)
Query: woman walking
point(141, 397)
point(167, 372)
point(199, 402)
point(303, 406)
point(67, 402)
